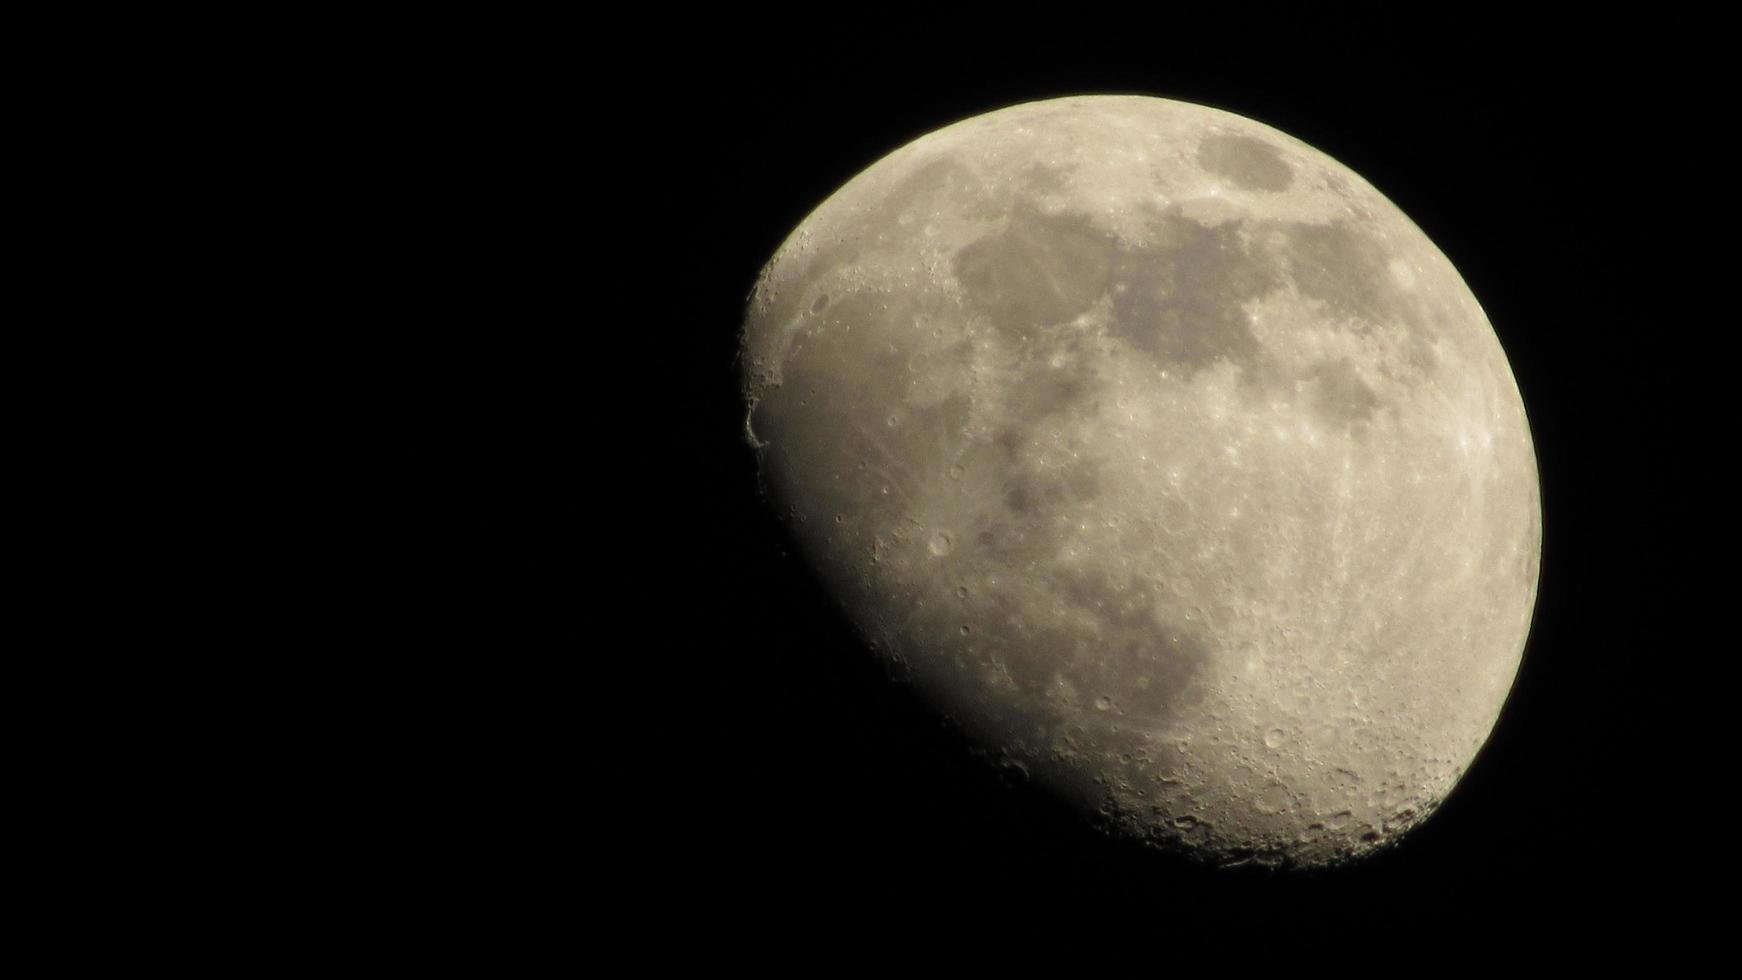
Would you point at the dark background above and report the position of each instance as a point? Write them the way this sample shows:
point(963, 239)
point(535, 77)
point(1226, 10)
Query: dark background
point(1547, 160)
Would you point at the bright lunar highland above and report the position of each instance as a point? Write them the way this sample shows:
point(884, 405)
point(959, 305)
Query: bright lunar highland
point(1168, 458)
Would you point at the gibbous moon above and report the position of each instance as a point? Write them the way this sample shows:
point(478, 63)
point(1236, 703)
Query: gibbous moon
point(1168, 458)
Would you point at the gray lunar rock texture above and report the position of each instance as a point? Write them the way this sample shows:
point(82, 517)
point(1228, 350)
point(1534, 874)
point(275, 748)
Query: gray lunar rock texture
point(1166, 456)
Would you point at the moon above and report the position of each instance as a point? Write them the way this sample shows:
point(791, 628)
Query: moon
point(1168, 458)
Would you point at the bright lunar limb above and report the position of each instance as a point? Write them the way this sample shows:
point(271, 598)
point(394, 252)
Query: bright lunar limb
point(1165, 455)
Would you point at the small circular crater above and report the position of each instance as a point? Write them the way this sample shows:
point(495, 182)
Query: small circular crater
point(1274, 798)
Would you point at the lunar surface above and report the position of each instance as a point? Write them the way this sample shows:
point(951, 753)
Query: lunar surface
point(1165, 456)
